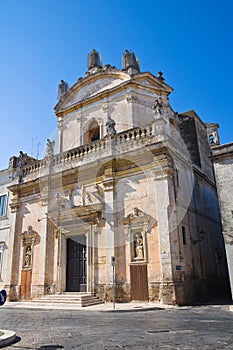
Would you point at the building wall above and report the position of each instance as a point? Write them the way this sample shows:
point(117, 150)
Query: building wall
point(5, 239)
point(223, 165)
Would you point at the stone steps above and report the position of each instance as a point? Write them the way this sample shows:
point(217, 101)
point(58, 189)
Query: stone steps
point(75, 299)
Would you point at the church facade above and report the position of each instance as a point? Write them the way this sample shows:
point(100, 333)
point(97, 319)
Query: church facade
point(128, 186)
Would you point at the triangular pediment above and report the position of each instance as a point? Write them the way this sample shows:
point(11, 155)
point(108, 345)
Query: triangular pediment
point(90, 87)
point(139, 217)
point(104, 82)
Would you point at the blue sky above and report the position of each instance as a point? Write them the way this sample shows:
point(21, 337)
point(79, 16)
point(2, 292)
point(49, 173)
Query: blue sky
point(44, 41)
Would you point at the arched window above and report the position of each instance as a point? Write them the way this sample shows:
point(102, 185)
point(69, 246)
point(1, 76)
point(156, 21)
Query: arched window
point(93, 133)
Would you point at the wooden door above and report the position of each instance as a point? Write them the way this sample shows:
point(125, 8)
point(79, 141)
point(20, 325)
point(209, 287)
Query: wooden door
point(25, 289)
point(76, 275)
point(139, 282)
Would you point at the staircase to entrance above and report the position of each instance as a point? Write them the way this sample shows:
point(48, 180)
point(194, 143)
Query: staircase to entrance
point(70, 298)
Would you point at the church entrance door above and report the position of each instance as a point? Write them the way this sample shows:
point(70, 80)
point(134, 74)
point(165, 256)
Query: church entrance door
point(25, 289)
point(139, 283)
point(76, 269)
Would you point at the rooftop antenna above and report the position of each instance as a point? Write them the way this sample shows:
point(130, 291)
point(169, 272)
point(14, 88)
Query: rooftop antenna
point(38, 150)
point(33, 145)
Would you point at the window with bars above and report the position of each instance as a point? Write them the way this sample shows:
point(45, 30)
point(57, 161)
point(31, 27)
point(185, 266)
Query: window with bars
point(3, 202)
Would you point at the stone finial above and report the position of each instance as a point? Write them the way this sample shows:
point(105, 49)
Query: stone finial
point(13, 162)
point(62, 88)
point(130, 62)
point(94, 60)
point(160, 76)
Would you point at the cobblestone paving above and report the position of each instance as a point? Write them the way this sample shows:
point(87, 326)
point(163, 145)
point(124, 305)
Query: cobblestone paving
point(190, 328)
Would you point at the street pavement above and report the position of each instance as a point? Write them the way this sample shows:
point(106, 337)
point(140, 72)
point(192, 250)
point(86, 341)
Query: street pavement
point(129, 326)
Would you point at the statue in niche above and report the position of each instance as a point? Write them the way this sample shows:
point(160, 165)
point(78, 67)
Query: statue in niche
point(28, 257)
point(93, 59)
point(110, 126)
point(62, 88)
point(158, 106)
point(138, 247)
point(50, 148)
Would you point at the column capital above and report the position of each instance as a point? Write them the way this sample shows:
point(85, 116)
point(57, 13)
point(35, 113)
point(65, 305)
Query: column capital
point(14, 207)
point(44, 201)
point(108, 184)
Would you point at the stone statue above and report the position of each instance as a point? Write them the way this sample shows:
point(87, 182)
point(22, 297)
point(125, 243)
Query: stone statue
point(62, 88)
point(139, 247)
point(130, 60)
point(28, 257)
point(50, 148)
point(22, 159)
point(158, 106)
point(110, 126)
point(94, 59)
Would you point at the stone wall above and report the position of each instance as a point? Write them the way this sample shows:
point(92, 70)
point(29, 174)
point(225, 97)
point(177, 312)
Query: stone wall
point(223, 165)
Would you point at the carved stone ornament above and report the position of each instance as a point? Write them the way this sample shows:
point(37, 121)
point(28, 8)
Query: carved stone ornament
point(160, 76)
point(62, 88)
point(21, 160)
point(27, 257)
point(110, 127)
point(139, 218)
point(94, 59)
point(49, 148)
point(130, 60)
point(138, 252)
point(158, 105)
point(28, 237)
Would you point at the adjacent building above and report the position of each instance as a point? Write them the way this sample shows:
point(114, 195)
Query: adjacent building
point(223, 164)
point(128, 183)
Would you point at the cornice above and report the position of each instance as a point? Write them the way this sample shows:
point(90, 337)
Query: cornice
point(25, 188)
point(222, 151)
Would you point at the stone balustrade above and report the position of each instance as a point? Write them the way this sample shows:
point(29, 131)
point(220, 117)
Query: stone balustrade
point(100, 147)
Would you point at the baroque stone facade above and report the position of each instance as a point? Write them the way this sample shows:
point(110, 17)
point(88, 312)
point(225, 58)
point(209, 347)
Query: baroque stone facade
point(127, 180)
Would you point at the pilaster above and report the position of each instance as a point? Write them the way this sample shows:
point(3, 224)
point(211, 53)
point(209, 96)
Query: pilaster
point(60, 134)
point(165, 202)
point(11, 285)
point(108, 185)
point(43, 239)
